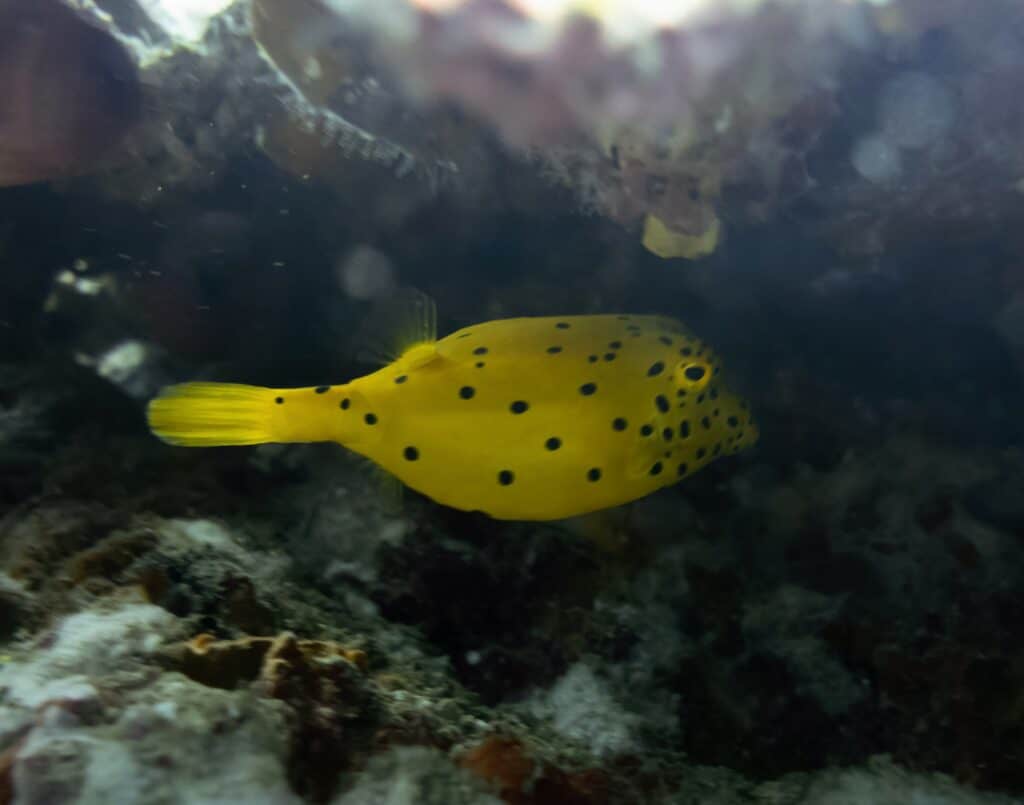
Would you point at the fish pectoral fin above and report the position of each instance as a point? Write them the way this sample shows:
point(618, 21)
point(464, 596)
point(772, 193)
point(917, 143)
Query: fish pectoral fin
point(643, 456)
point(404, 321)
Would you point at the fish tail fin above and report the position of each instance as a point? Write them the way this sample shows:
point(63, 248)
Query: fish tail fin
point(213, 414)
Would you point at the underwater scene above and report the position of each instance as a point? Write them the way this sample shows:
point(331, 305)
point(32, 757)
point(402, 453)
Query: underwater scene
point(542, 402)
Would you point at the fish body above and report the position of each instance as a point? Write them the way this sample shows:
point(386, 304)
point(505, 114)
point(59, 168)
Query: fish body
point(529, 418)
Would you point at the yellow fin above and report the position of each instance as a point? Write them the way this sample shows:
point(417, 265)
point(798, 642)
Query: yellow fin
point(417, 356)
point(406, 319)
point(607, 529)
point(643, 455)
point(212, 414)
point(390, 489)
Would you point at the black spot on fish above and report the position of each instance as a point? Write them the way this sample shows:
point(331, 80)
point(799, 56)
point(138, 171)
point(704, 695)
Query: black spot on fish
point(562, 325)
point(713, 393)
point(609, 356)
point(684, 429)
point(344, 404)
point(705, 422)
point(467, 392)
point(715, 413)
point(279, 400)
point(656, 468)
point(656, 369)
point(401, 379)
point(667, 434)
point(717, 450)
point(686, 352)
point(480, 351)
point(506, 477)
point(681, 469)
point(593, 474)
point(411, 453)
point(592, 358)
point(615, 345)
point(370, 419)
point(666, 340)
point(322, 389)
point(480, 364)
point(465, 335)
point(701, 452)
point(588, 388)
point(619, 423)
point(519, 407)
point(646, 430)
point(662, 403)
point(554, 350)
point(694, 372)
point(717, 370)
point(553, 443)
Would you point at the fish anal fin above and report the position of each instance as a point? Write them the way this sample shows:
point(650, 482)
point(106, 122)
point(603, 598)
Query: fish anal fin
point(607, 529)
point(390, 489)
point(392, 492)
point(398, 324)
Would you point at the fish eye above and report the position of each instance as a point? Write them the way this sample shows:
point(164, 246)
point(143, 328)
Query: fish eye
point(693, 374)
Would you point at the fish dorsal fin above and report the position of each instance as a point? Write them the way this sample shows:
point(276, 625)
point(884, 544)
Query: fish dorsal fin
point(416, 356)
point(404, 322)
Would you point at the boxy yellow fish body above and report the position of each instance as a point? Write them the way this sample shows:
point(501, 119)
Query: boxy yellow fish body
point(526, 419)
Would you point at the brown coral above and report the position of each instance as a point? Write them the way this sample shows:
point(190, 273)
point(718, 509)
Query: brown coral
point(320, 681)
point(229, 663)
point(505, 763)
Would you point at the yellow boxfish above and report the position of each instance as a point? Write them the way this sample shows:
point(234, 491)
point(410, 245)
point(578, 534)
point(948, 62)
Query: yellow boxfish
point(523, 419)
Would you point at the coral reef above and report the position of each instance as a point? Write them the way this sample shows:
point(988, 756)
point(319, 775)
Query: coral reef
point(854, 604)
